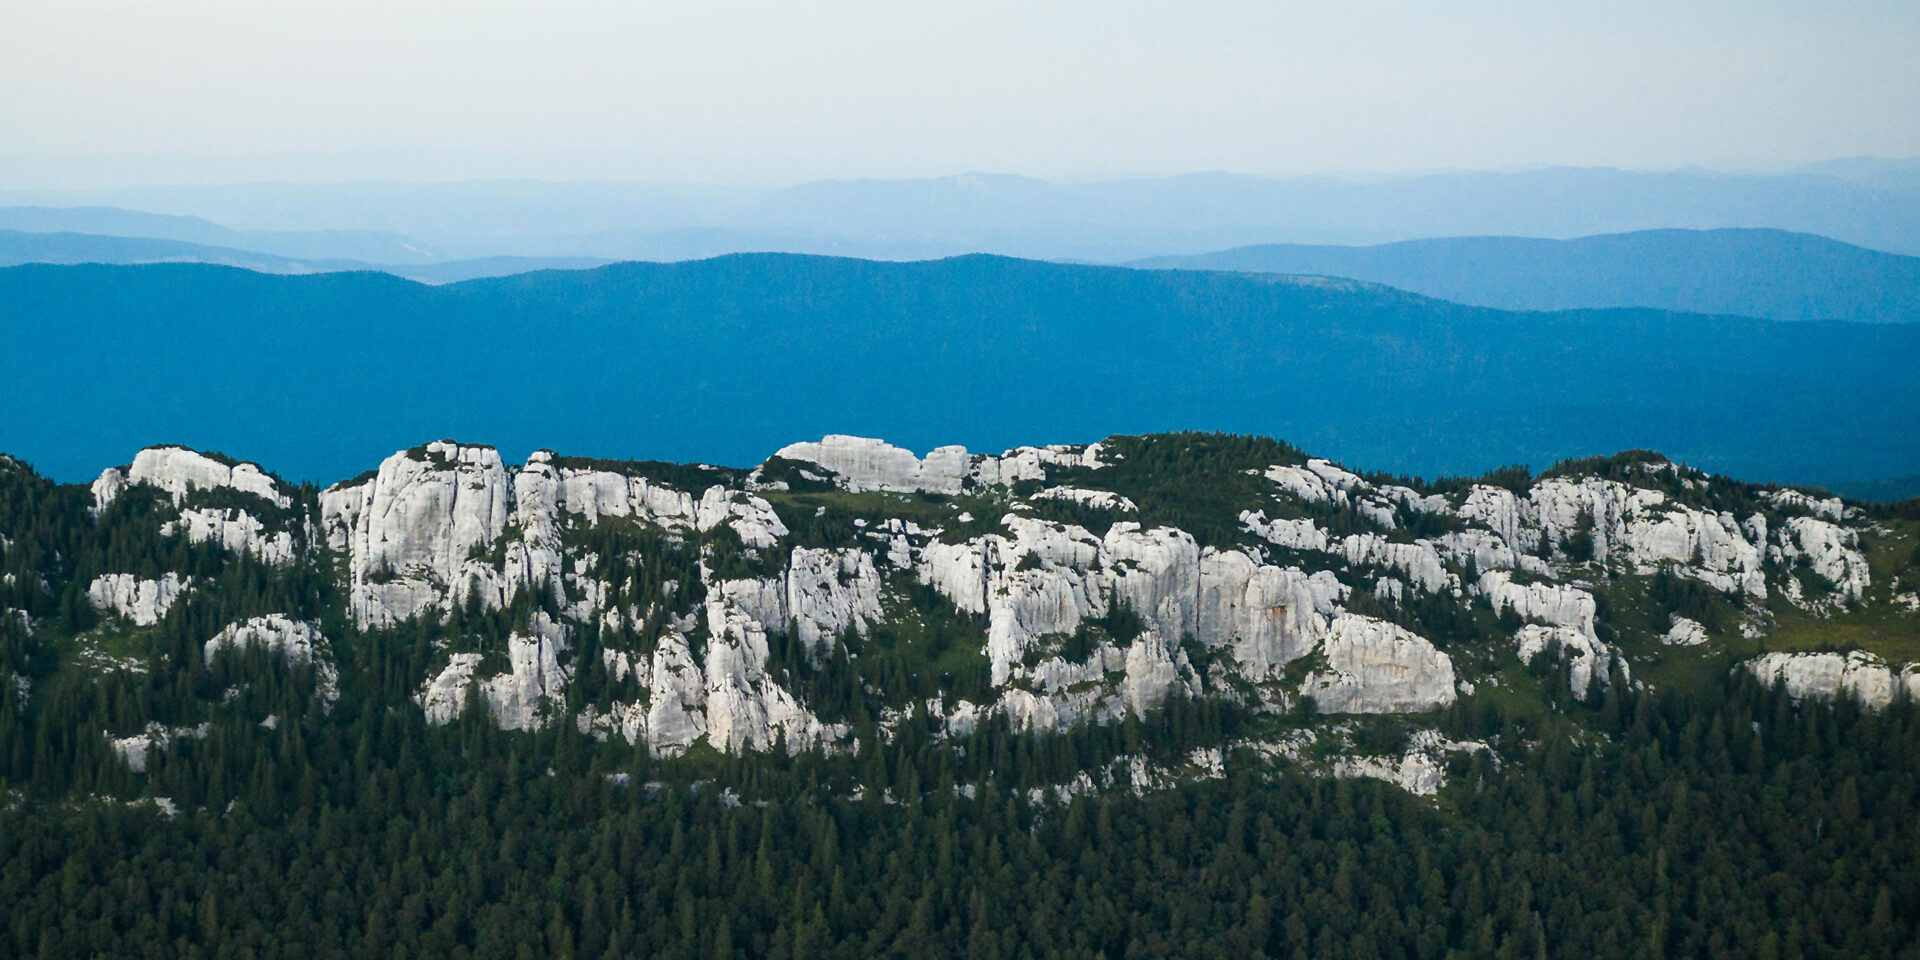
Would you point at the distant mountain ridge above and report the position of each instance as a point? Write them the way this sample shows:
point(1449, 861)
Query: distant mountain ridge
point(1874, 204)
point(18, 247)
point(326, 244)
point(721, 360)
point(1746, 272)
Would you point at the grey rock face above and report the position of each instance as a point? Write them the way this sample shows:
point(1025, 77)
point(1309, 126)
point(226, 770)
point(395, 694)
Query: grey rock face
point(144, 602)
point(1826, 675)
point(1313, 590)
point(298, 642)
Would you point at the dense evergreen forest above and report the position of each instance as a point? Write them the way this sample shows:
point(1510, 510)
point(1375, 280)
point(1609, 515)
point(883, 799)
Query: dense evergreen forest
point(1724, 824)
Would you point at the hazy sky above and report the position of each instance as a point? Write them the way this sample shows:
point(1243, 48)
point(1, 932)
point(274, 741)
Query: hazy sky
point(98, 91)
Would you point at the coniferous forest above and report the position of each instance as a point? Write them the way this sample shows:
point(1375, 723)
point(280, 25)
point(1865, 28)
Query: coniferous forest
point(1726, 823)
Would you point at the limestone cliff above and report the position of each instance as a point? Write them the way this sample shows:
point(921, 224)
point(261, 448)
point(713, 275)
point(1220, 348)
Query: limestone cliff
point(1048, 586)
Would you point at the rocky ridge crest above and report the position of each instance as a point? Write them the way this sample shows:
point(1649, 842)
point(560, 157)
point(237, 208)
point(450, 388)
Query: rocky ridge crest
point(1085, 583)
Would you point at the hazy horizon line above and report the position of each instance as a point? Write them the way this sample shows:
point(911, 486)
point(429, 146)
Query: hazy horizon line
point(13, 183)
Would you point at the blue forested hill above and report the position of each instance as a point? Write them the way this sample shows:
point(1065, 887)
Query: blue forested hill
point(727, 359)
point(1755, 273)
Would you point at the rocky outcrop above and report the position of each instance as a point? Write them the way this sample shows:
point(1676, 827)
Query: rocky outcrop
point(1420, 771)
point(1685, 633)
point(1562, 617)
point(1709, 547)
point(745, 708)
point(1825, 676)
point(235, 530)
point(418, 533)
point(865, 465)
point(1097, 499)
point(1825, 508)
point(1634, 525)
point(1378, 667)
point(523, 697)
point(135, 751)
point(145, 602)
point(1831, 552)
point(690, 592)
point(298, 642)
point(445, 523)
point(179, 471)
point(1267, 616)
point(860, 465)
point(828, 592)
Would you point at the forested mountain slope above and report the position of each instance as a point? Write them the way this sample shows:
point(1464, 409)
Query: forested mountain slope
point(723, 360)
point(1743, 272)
point(862, 701)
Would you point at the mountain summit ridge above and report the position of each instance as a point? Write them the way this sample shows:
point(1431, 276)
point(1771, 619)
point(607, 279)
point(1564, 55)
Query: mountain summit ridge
point(846, 586)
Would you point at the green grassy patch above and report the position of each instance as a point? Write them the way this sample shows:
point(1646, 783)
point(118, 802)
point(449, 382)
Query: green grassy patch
point(1875, 625)
point(116, 643)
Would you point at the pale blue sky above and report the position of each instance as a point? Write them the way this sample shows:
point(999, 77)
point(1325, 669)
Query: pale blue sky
point(97, 92)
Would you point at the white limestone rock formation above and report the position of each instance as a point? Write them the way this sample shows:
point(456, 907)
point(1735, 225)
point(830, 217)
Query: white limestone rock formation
point(1824, 676)
point(751, 517)
point(1419, 561)
point(535, 685)
point(1830, 551)
point(1267, 616)
point(828, 592)
point(1109, 684)
point(865, 465)
point(107, 488)
point(1415, 772)
point(1031, 463)
point(1685, 633)
point(299, 642)
point(524, 697)
point(1636, 526)
point(862, 464)
point(1291, 534)
point(745, 708)
point(1825, 508)
point(145, 602)
point(1555, 604)
point(445, 695)
point(417, 534)
point(1097, 499)
point(179, 471)
point(1155, 572)
point(1420, 771)
point(235, 530)
point(1377, 667)
point(1708, 547)
point(447, 524)
point(1561, 616)
point(136, 751)
point(1317, 482)
point(591, 495)
point(677, 714)
point(725, 696)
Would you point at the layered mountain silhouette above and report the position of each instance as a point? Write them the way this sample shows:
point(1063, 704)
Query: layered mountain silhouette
point(1748, 272)
point(724, 360)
